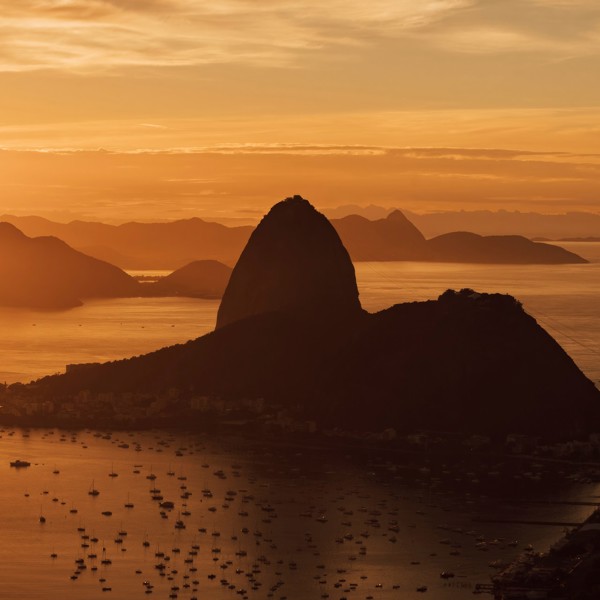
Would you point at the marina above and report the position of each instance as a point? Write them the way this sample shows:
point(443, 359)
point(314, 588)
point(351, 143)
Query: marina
point(254, 519)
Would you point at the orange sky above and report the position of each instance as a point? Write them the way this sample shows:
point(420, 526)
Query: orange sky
point(223, 108)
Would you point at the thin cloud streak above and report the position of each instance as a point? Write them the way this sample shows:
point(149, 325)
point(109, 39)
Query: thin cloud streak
point(102, 35)
point(569, 130)
point(159, 185)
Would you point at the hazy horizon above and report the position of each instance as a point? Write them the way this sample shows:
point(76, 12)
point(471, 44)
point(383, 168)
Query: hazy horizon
point(369, 211)
point(164, 109)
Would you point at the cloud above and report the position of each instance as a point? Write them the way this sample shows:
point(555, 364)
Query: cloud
point(103, 35)
point(106, 34)
point(493, 40)
point(166, 185)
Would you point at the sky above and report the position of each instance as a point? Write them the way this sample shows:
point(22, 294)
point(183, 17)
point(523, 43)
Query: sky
point(161, 109)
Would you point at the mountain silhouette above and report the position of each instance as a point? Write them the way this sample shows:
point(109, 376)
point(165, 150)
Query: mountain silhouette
point(391, 238)
point(169, 245)
point(177, 243)
point(462, 246)
point(198, 279)
point(396, 238)
point(45, 272)
point(466, 362)
point(294, 262)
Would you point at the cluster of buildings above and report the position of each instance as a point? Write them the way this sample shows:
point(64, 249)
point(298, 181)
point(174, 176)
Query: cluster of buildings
point(18, 403)
point(174, 407)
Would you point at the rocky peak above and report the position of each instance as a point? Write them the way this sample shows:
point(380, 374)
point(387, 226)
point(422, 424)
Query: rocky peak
point(294, 262)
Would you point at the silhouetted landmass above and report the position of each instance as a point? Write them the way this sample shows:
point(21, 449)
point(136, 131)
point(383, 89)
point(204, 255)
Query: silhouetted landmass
point(504, 222)
point(539, 226)
point(462, 246)
point(294, 262)
point(199, 279)
point(172, 245)
point(45, 272)
point(396, 238)
point(168, 245)
point(466, 362)
point(392, 238)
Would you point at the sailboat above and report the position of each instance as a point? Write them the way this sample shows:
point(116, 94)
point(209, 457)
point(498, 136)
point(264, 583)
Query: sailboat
point(179, 524)
point(93, 491)
point(152, 476)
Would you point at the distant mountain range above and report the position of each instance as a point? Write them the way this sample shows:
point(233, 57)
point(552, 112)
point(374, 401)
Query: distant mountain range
point(486, 222)
point(397, 238)
point(144, 245)
point(291, 330)
point(175, 244)
point(46, 273)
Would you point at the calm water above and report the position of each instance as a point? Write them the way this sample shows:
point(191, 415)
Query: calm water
point(274, 520)
point(564, 299)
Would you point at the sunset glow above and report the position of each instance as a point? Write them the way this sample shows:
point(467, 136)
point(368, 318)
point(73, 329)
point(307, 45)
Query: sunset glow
point(300, 299)
point(296, 95)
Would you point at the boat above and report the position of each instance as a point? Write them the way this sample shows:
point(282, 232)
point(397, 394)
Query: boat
point(93, 491)
point(179, 524)
point(20, 464)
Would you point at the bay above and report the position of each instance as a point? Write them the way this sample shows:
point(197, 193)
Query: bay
point(265, 519)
